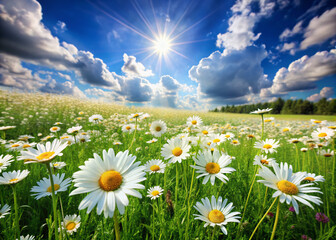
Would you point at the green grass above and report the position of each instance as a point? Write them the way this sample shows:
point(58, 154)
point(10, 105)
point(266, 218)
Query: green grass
point(35, 113)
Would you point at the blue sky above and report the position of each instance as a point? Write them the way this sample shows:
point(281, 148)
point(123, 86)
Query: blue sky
point(179, 54)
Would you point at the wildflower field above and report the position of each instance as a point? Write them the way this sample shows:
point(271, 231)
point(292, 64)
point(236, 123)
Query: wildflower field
point(74, 169)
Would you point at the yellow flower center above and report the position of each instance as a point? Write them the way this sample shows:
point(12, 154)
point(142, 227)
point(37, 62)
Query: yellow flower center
point(295, 141)
point(250, 136)
point(110, 180)
point(265, 162)
point(81, 113)
point(268, 120)
point(321, 135)
point(65, 137)
point(177, 151)
point(82, 140)
point(267, 146)
point(54, 128)
point(285, 129)
point(212, 168)
point(56, 164)
point(327, 155)
point(216, 216)
point(13, 180)
point(287, 187)
point(15, 145)
point(155, 193)
point(216, 140)
point(45, 156)
point(56, 187)
point(234, 141)
point(205, 132)
point(95, 119)
point(310, 179)
point(128, 128)
point(227, 135)
point(332, 127)
point(317, 121)
point(70, 226)
point(154, 168)
point(79, 118)
point(26, 145)
point(158, 129)
point(194, 122)
point(136, 115)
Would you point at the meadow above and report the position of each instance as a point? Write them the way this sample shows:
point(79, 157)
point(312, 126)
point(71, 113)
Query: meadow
point(202, 155)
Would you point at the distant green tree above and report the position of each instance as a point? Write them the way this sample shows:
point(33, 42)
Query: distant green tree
point(277, 106)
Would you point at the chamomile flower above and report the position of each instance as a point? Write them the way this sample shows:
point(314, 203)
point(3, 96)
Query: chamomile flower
point(318, 122)
point(83, 138)
point(152, 140)
point(228, 136)
point(28, 237)
point(5, 161)
point(235, 142)
point(286, 129)
point(9, 178)
point(43, 187)
point(216, 138)
point(212, 165)
point(261, 111)
point(117, 143)
point(74, 130)
point(176, 150)
point(58, 165)
point(6, 127)
point(158, 128)
point(216, 212)
point(71, 223)
point(25, 138)
point(194, 121)
point(65, 138)
point(17, 146)
point(270, 119)
point(128, 128)
point(294, 140)
point(43, 153)
point(326, 153)
point(155, 166)
point(263, 160)
point(288, 186)
point(154, 192)
point(135, 115)
point(55, 129)
point(96, 118)
point(323, 133)
point(268, 146)
point(311, 177)
point(4, 210)
point(108, 182)
point(205, 131)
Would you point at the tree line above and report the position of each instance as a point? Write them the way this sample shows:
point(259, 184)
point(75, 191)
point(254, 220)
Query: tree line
point(289, 106)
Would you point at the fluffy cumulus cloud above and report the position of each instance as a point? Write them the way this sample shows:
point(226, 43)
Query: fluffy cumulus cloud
point(287, 33)
point(240, 32)
point(325, 92)
point(303, 73)
point(231, 74)
point(25, 36)
point(66, 88)
point(320, 29)
point(133, 68)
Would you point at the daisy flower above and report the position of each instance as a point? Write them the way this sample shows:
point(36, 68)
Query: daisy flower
point(294, 140)
point(155, 166)
point(43, 153)
point(74, 130)
point(58, 165)
point(270, 119)
point(28, 237)
point(71, 223)
point(158, 128)
point(27, 145)
point(288, 186)
point(117, 143)
point(58, 123)
point(194, 121)
point(176, 150)
point(263, 160)
point(4, 210)
point(144, 116)
point(25, 137)
point(326, 153)
point(228, 136)
point(96, 118)
point(286, 129)
point(14, 146)
point(154, 192)
point(9, 178)
point(261, 111)
point(43, 187)
point(135, 115)
point(55, 129)
point(269, 145)
point(205, 131)
point(212, 165)
point(318, 122)
point(311, 177)
point(217, 138)
point(108, 182)
point(65, 138)
point(216, 212)
point(323, 133)
point(6, 127)
point(5, 161)
point(152, 140)
point(235, 142)
point(128, 128)
point(83, 138)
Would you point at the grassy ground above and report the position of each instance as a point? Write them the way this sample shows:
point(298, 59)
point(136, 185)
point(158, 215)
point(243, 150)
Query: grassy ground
point(153, 219)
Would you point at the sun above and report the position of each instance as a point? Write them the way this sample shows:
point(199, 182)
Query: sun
point(162, 45)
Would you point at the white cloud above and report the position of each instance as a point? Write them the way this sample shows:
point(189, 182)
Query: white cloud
point(60, 27)
point(291, 47)
point(67, 88)
point(65, 76)
point(325, 92)
point(320, 29)
point(287, 33)
point(303, 73)
point(240, 32)
point(133, 68)
point(231, 74)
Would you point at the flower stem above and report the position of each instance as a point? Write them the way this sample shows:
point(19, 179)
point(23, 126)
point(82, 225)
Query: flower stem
point(177, 182)
point(276, 220)
point(54, 199)
point(116, 225)
point(269, 209)
point(16, 212)
point(135, 130)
